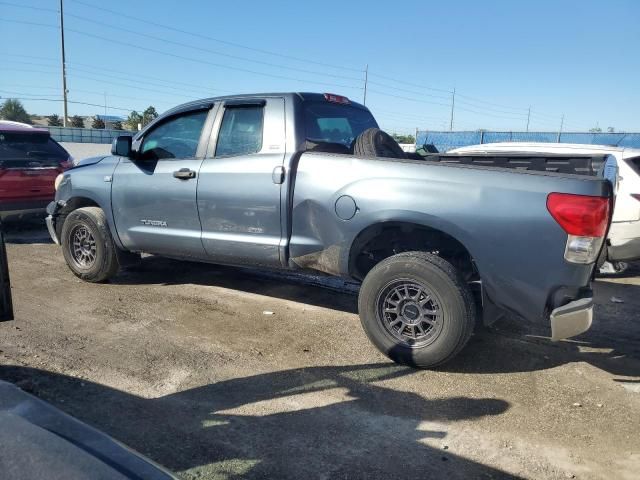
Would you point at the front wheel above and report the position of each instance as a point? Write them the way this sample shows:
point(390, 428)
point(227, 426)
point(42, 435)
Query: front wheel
point(416, 309)
point(87, 245)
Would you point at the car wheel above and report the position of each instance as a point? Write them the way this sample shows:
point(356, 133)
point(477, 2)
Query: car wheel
point(87, 245)
point(416, 309)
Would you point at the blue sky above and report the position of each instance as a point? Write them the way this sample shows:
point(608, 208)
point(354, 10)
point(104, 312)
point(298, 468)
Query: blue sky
point(577, 58)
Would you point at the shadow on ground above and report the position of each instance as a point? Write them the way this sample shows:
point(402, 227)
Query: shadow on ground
point(612, 344)
point(324, 422)
point(30, 229)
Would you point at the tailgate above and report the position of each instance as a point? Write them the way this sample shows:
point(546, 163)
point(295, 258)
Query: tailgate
point(32, 181)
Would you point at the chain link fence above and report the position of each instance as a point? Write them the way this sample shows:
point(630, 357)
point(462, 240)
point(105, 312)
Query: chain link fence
point(445, 141)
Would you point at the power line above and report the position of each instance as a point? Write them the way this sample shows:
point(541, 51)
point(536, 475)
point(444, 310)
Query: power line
point(136, 84)
point(408, 98)
point(70, 101)
point(146, 21)
point(408, 91)
point(214, 52)
point(422, 87)
point(181, 57)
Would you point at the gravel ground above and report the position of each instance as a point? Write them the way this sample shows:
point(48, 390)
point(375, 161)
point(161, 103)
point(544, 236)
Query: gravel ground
point(184, 363)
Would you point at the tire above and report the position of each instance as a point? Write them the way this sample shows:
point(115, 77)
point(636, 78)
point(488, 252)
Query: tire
point(87, 245)
point(373, 142)
point(452, 317)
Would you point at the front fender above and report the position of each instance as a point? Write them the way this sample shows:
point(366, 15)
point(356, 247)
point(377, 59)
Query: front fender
point(84, 186)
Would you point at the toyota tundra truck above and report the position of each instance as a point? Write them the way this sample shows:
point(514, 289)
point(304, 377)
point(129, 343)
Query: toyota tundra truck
point(307, 181)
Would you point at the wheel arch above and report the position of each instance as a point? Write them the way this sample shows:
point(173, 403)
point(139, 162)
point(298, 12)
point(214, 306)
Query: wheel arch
point(390, 237)
point(80, 201)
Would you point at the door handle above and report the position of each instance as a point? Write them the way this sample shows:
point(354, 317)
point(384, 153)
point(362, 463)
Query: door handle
point(278, 175)
point(184, 174)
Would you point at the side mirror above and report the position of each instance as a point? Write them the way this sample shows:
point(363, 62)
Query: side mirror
point(121, 146)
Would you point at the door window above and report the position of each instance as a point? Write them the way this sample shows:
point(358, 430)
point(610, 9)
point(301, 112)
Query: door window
point(177, 137)
point(240, 132)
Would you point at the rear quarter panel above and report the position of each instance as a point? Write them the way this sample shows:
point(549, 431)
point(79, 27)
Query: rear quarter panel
point(499, 215)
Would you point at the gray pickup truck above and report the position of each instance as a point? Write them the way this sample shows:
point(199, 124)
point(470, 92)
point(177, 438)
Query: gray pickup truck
point(307, 181)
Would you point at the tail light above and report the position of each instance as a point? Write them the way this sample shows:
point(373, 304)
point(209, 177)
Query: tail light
point(585, 219)
point(66, 164)
point(331, 97)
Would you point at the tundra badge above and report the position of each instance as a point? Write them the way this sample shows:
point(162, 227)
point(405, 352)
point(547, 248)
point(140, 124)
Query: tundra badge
point(154, 223)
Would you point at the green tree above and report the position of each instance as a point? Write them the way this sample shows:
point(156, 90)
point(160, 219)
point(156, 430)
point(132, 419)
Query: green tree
point(133, 120)
point(54, 120)
point(611, 130)
point(595, 130)
point(149, 115)
point(77, 121)
point(117, 125)
point(97, 122)
point(12, 109)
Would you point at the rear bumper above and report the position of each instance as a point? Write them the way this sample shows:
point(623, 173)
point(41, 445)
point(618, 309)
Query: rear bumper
point(18, 209)
point(571, 319)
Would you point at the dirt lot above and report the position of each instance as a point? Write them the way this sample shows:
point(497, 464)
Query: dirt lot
point(180, 362)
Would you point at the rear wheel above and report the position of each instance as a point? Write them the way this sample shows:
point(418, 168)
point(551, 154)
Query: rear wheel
point(87, 245)
point(416, 309)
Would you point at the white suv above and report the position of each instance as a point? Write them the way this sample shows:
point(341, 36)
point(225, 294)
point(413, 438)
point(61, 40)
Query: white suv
point(624, 235)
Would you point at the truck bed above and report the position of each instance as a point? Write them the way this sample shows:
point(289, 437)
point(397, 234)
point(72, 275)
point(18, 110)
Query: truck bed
point(573, 164)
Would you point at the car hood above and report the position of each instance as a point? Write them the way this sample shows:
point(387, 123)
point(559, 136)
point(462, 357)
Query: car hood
point(40, 442)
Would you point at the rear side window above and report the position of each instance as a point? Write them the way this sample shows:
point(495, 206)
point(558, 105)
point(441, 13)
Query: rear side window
point(30, 150)
point(177, 137)
point(635, 164)
point(241, 131)
point(332, 123)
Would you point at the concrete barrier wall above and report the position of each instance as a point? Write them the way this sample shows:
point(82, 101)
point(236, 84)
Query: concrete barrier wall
point(84, 150)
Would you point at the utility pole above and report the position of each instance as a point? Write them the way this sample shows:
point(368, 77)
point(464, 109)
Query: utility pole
point(64, 68)
point(366, 79)
point(528, 117)
point(561, 124)
point(453, 104)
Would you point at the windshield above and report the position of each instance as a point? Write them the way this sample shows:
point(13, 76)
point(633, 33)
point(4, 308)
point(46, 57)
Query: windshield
point(335, 123)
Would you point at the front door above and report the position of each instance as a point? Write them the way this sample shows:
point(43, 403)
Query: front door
point(240, 184)
point(154, 195)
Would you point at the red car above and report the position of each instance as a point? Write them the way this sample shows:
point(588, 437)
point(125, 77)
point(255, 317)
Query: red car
point(30, 160)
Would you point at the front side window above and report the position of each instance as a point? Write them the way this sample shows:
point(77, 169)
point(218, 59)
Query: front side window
point(240, 132)
point(177, 137)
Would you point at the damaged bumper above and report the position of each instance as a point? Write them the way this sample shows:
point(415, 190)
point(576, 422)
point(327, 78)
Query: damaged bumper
point(571, 319)
point(52, 208)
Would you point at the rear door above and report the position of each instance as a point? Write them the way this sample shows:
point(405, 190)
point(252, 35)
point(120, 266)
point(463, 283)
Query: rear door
point(154, 196)
point(29, 164)
point(240, 183)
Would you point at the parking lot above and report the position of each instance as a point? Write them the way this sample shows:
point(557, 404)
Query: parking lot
point(218, 372)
